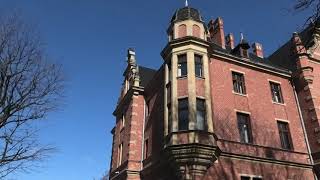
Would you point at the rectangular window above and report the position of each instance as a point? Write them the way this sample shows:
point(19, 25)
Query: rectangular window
point(276, 92)
point(238, 83)
point(256, 178)
point(285, 136)
point(169, 118)
point(250, 178)
point(182, 65)
point(120, 149)
point(147, 108)
point(183, 123)
point(245, 178)
point(169, 72)
point(146, 149)
point(244, 128)
point(201, 114)
point(123, 121)
point(198, 65)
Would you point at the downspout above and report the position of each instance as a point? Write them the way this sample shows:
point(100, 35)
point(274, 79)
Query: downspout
point(142, 142)
point(303, 128)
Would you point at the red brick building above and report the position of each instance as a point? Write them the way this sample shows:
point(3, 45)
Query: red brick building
point(220, 110)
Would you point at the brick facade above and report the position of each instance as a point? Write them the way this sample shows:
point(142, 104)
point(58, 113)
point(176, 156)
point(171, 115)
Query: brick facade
point(148, 134)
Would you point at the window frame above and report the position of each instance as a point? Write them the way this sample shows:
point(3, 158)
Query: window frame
point(123, 121)
point(238, 83)
point(276, 94)
point(197, 63)
point(184, 109)
point(169, 118)
point(249, 127)
point(182, 66)
point(251, 177)
point(146, 148)
point(281, 132)
point(201, 109)
point(120, 154)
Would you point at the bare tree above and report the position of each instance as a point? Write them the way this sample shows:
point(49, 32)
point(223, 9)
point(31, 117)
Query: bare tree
point(30, 87)
point(314, 5)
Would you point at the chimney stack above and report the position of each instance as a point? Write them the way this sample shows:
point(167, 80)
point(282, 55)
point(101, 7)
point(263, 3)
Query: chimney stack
point(217, 32)
point(230, 40)
point(257, 49)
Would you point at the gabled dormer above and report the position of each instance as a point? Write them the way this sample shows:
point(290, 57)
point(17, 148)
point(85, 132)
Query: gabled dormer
point(242, 49)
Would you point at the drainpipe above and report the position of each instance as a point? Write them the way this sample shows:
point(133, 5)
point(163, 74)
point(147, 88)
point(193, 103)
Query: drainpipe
point(143, 124)
point(303, 127)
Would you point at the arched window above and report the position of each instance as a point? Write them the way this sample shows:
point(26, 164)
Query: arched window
point(182, 30)
point(196, 31)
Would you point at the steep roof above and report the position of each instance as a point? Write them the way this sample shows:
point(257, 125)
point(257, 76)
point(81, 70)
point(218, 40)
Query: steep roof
point(253, 58)
point(146, 74)
point(283, 56)
point(186, 13)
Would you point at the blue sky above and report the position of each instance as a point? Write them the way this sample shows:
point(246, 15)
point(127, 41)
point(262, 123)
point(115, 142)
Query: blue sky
point(90, 37)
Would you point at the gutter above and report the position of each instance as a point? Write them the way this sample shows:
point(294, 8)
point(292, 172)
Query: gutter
point(142, 142)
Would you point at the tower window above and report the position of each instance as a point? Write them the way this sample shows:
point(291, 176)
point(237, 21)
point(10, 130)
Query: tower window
point(120, 149)
point(244, 128)
point(169, 118)
point(169, 72)
point(123, 121)
point(285, 136)
point(201, 114)
point(196, 31)
point(182, 65)
point(238, 83)
point(146, 148)
point(182, 30)
point(276, 92)
point(198, 65)
point(183, 110)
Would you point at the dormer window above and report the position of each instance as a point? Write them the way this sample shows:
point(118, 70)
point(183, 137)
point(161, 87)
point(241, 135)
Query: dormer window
point(244, 53)
point(182, 65)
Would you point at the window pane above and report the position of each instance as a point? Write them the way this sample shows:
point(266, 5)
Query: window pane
point(169, 119)
point(182, 65)
point(285, 136)
point(198, 65)
point(276, 92)
point(244, 128)
point(183, 123)
point(256, 178)
point(245, 178)
point(201, 114)
point(238, 83)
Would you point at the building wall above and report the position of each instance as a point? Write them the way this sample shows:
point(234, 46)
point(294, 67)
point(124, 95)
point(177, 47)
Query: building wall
point(232, 169)
point(258, 103)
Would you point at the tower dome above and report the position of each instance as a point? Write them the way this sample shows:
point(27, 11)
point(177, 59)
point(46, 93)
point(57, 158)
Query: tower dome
point(186, 13)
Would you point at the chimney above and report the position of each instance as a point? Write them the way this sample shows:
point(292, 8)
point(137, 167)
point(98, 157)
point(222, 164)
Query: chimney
point(217, 32)
point(230, 40)
point(257, 49)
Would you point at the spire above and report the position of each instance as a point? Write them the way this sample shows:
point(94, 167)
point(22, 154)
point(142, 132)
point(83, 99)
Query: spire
point(186, 4)
point(131, 56)
point(241, 37)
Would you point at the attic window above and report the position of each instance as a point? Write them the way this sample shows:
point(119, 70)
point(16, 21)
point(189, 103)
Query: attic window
point(244, 53)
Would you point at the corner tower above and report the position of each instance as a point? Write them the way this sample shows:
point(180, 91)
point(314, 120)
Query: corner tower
point(190, 142)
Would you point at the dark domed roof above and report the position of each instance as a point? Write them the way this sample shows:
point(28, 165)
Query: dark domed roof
point(185, 14)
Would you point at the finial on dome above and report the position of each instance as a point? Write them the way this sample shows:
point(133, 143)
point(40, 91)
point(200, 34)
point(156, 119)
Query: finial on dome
point(241, 35)
point(186, 4)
